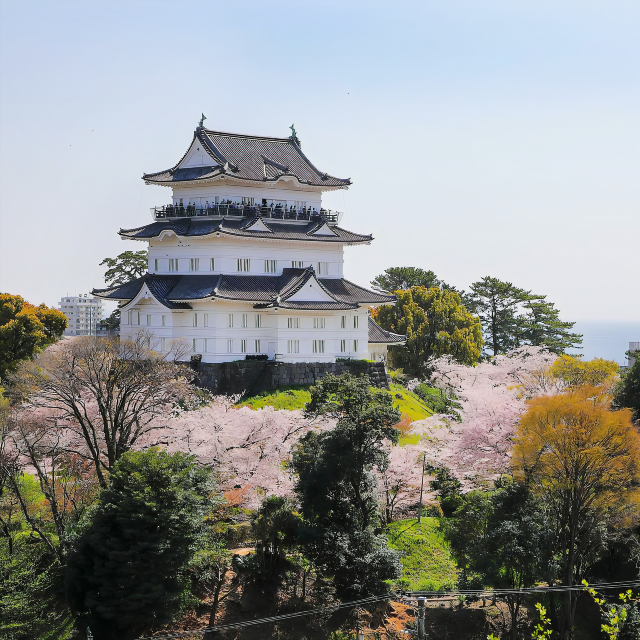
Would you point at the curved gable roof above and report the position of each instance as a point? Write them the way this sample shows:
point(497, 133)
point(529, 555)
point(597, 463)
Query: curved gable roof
point(245, 157)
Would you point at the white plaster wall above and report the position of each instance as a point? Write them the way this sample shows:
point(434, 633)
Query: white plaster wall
point(226, 252)
point(212, 332)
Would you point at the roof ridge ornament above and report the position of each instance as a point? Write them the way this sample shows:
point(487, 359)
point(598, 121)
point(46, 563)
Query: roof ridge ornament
point(294, 135)
point(202, 119)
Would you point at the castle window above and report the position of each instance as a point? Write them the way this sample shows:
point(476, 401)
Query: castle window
point(157, 264)
point(205, 319)
point(243, 346)
point(247, 200)
point(323, 268)
point(164, 321)
point(230, 320)
point(162, 344)
point(193, 346)
point(293, 346)
point(355, 322)
point(343, 346)
point(195, 319)
point(270, 266)
point(245, 320)
point(318, 323)
point(194, 264)
point(244, 264)
point(297, 264)
point(173, 264)
point(318, 346)
point(258, 320)
point(148, 321)
point(293, 323)
point(343, 322)
point(257, 346)
point(213, 264)
point(229, 346)
point(355, 346)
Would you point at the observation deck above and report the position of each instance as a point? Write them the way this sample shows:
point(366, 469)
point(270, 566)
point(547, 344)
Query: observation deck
point(236, 211)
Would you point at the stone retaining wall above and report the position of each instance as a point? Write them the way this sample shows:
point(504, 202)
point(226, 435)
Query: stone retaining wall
point(255, 376)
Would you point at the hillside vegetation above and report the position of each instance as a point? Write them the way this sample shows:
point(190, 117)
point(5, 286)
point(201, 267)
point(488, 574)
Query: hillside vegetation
point(427, 563)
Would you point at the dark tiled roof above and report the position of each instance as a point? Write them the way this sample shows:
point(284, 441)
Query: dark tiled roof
point(254, 158)
point(380, 335)
point(159, 286)
point(344, 290)
point(263, 291)
point(190, 227)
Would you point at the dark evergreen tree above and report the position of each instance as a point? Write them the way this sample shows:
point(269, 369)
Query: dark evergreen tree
point(540, 326)
point(497, 304)
point(337, 488)
point(402, 278)
point(512, 317)
point(126, 572)
point(627, 395)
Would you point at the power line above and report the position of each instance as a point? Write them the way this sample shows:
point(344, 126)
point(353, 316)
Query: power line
point(285, 616)
point(629, 584)
point(400, 597)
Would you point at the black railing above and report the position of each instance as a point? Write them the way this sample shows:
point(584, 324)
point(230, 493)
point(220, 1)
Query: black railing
point(234, 210)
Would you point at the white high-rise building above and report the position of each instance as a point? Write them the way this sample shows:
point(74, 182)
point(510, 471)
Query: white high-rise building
point(246, 261)
point(84, 314)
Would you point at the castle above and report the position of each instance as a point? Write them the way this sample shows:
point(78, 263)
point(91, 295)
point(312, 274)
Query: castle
point(246, 262)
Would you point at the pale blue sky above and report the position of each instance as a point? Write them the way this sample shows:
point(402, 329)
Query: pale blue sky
point(482, 137)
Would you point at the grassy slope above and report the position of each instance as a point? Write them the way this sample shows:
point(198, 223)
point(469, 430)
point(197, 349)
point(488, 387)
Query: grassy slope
point(291, 398)
point(427, 564)
point(287, 398)
point(410, 403)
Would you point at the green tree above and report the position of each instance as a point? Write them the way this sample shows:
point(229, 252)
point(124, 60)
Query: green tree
point(275, 526)
point(337, 488)
point(540, 326)
point(497, 303)
point(448, 489)
point(401, 278)
point(127, 570)
point(512, 317)
point(498, 539)
point(25, 330)
point(435, 323)
point(126, 267)
point(627, 393)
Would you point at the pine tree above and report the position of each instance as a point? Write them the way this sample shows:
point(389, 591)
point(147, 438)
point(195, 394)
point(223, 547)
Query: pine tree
point(126, 571)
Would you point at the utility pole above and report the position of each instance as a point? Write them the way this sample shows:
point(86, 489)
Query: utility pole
point(421, 634)
point(424, 455)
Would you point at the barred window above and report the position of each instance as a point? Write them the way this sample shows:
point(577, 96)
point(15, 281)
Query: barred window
point(293, 346)
point(293, 323)
point(270, 266)
point(318, 323)
point(244, 264)
point(318, 346)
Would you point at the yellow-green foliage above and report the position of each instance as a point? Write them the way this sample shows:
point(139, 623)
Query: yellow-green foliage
point(427, 564)
point(287, 398)
point(410, 403)
point(575, 372)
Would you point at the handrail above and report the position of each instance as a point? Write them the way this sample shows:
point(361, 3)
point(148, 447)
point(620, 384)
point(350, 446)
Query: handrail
point(234, 210)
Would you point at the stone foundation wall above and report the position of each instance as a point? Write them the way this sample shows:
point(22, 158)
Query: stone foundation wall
point(253, 376)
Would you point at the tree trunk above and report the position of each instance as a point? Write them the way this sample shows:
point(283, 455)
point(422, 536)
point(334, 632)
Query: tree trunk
point(214, 608)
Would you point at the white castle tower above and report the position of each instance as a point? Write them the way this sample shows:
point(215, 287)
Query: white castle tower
point(245, 260)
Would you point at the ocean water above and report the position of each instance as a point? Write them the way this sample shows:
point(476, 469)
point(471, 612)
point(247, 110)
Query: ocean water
point(606, 339)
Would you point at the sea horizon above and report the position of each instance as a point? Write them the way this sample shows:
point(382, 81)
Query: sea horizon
point(608, 339)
